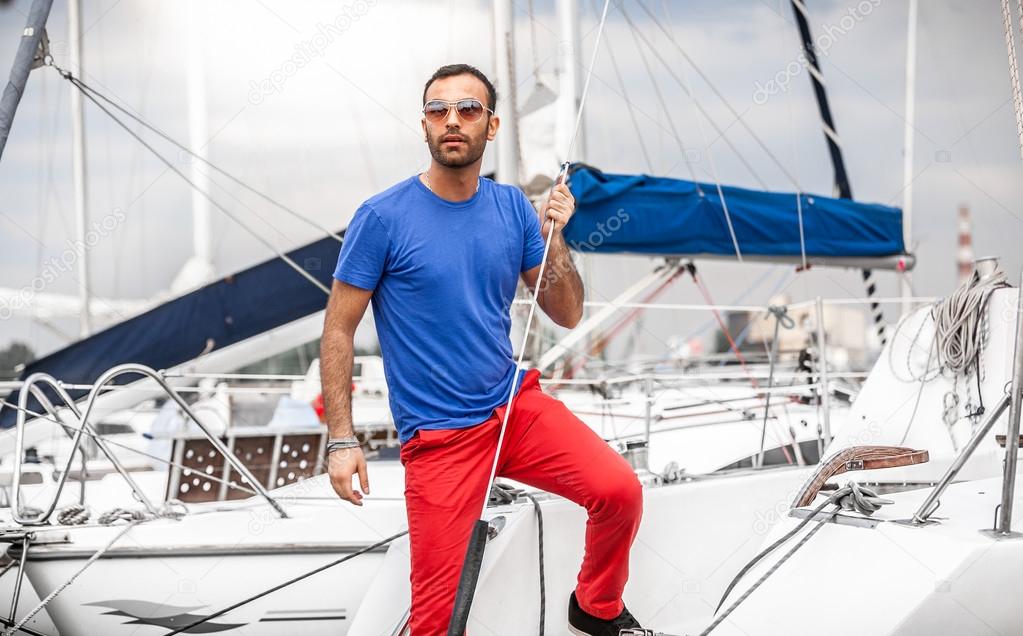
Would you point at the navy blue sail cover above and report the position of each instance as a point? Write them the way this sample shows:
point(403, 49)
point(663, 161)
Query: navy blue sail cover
point(657, 215)
point(222, 313)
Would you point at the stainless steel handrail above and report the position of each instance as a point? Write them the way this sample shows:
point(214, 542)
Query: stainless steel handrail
point(1012, 432)
point(930, 504)
point(83, 417)
point(83, 472)
point(19, 453)
point(87, 427)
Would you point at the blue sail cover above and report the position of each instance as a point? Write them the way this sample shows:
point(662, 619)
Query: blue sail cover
point(218, 315)
point(656, 215)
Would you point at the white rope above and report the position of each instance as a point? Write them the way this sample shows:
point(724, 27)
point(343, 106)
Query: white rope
point(958, 339)
point(73, 515)
point(802, 235)
point(543, 262)
point(1010, 46)
point(959, 322)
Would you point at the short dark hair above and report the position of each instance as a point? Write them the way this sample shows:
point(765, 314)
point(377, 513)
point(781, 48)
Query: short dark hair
point(451, 70)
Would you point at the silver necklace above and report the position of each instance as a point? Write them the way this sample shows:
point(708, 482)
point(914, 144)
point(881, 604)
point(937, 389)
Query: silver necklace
point(426, 175)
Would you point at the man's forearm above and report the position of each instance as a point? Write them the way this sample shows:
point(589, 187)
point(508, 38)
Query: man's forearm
point(337, 357)
point(561, 291)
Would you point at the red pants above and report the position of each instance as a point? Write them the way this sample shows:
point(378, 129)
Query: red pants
point(545, 446)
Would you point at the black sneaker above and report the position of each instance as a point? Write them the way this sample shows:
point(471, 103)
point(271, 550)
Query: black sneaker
point(582, 624)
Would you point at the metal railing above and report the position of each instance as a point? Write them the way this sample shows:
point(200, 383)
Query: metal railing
point(1012, 434)
point(84, 425)
point(930, 504)
point(33, 387)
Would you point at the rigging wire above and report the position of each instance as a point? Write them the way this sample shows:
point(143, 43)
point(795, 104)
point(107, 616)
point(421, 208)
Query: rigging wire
point(661, 102)
point(713, 168)
point(738, 116)
point(152, 128)
point(804, 265)
point(717, 128)
point(170, 166)
point(532, 44)
point(624, 93)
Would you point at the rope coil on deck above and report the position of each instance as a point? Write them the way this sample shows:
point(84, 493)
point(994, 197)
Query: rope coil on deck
point(73, 515)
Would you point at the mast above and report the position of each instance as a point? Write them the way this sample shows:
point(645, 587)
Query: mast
point(905, 280)
point(568, 78)
point(25, 60)
point(504, 61)
point(198, 269)
point(81, 192)
point(569, 60)
point(842, 188)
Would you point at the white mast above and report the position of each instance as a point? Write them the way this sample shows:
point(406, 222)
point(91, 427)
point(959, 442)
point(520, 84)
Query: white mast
point(569, 61)
point(905, 281)
point(568, 78)
point(198, 270)
point(504, 60)
point(74, 19)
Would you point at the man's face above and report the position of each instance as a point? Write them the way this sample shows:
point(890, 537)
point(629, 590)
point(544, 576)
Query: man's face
point(454, 142)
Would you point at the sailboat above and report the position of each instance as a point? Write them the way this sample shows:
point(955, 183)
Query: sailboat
point(723, 513)
point(210, 535)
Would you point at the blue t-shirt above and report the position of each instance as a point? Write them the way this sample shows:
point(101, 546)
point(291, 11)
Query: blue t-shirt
point(443, 277)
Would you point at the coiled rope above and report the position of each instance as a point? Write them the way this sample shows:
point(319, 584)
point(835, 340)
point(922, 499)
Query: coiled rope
point(959, 321)
point(959, 329)
point(960, 333)
point(73, 515)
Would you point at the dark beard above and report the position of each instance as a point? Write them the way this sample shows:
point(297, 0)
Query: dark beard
point(473, 151)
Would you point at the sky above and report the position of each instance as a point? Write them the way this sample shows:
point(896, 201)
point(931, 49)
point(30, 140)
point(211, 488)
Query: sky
point(329, 133)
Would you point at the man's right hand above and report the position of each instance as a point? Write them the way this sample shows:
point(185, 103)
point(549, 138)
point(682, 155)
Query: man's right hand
point(342, 465)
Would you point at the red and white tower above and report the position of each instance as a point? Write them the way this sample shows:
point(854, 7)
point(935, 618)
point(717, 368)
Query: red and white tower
point(964, 255)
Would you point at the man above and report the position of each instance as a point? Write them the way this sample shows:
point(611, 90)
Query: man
point(439, 255)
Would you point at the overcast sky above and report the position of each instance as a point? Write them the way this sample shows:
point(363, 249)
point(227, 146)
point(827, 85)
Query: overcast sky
point(345, 126)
